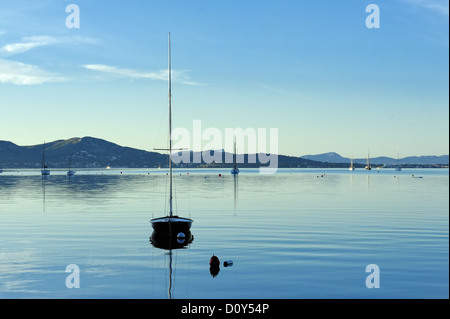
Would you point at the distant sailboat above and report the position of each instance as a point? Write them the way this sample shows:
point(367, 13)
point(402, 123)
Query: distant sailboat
point(235, 170)
point(351, 168)
point(44, 170)
point(398, 168)
point(171, 224)
point(368, 167)
point(70, 172)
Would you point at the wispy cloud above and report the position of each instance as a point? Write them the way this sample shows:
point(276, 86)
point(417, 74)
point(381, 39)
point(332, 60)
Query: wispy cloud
point(177, 75)
point(438, 6)
point(18, 73)
point(25, 74)
point(127, 73)
point(28, 43)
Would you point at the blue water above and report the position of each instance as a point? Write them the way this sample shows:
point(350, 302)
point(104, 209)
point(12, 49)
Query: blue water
point(300, 233)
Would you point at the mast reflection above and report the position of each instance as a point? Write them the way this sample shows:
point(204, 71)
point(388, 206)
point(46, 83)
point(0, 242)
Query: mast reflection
point(171, 242)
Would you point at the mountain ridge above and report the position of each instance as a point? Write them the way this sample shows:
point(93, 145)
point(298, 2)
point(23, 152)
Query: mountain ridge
point(91, 152)
point(333, 157)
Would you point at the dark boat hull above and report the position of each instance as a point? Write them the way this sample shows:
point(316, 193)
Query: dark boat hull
point(171, 225)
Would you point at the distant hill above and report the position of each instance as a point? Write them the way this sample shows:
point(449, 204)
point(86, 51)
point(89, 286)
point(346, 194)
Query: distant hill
point(411, 160)
point(86, 152)
point(90, 152)
point(330, 157)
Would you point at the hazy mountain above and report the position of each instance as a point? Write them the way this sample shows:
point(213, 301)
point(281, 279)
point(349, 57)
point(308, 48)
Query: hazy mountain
point(443, 159)
point(89, 152)
point(411, 160)
point(330, 157)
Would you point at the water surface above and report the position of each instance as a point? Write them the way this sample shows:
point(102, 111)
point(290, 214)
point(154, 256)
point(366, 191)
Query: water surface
point(300, 233)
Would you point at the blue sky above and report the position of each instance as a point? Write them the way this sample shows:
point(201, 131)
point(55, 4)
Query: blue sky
point(312, 69)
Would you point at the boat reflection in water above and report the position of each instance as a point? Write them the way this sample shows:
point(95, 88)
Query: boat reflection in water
point(168, 242)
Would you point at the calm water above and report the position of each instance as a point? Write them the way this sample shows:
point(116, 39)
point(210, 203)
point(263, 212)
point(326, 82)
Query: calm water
point(296, 234)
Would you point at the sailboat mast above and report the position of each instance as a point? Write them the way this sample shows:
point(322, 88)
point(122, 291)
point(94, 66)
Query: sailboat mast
point(234, 157)
point(170, 135)
point(43, 157)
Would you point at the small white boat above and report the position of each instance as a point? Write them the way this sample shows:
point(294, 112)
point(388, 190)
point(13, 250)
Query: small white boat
point(368, 167)
point(351, 168)
point(398, 168)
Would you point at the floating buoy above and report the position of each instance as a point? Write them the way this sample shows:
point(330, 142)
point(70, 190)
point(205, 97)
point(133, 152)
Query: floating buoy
point(228, 263)
point(220, 175)
point(214, 261)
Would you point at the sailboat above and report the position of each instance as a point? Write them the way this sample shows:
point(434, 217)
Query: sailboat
point(235, 170)
point(368, 167)
point(398, 168)
point(351, 168)
point(44, 170)
point(70, 172)
point(171, 224)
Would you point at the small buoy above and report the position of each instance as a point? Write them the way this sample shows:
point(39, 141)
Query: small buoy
point(220, 175)
point(228, 263)
point(214, 261)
